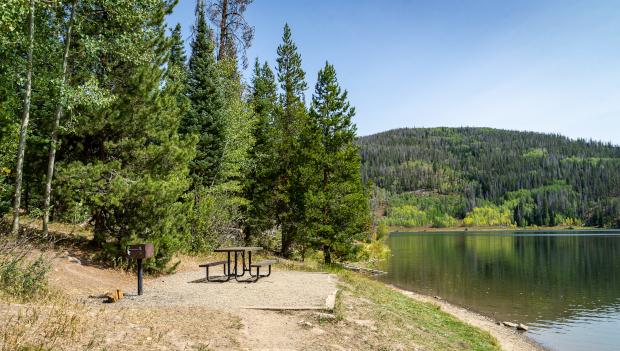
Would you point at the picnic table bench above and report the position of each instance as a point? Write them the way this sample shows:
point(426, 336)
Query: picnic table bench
point(260, 264)
point(231, 268)
point(212, 264)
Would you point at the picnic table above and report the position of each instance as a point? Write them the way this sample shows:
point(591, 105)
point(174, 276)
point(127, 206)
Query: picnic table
point(238, 250)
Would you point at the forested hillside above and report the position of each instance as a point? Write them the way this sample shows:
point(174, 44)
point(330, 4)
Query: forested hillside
point(491, 177)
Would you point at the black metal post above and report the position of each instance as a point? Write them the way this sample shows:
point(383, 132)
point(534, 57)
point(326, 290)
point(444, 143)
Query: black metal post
point(229, 263)
point(235, 263)
point(139, 276)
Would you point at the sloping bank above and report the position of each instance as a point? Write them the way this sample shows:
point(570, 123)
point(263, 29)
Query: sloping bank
point(509, 339)
point(407, 321)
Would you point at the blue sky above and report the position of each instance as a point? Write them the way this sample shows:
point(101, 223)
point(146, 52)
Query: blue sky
point(549, 66)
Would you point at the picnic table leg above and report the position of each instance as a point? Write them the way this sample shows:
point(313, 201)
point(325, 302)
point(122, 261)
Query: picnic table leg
point(242, 264)
point(228, 263)
point(249, 262)
point(236, 263)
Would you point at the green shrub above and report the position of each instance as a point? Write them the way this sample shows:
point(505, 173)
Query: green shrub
point(443, 221)
point(489, 216)
point(412, 216)
point(374, 254)
point(407, 216)
point(20, 276)
point(382, 231)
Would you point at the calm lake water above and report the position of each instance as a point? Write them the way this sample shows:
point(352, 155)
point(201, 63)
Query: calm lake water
point(564, 286)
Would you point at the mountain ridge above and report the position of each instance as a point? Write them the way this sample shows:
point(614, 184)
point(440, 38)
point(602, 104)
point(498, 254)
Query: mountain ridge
point(487, 166)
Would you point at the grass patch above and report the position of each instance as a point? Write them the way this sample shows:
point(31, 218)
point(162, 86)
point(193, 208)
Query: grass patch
point(52, 323)
point(413, 322)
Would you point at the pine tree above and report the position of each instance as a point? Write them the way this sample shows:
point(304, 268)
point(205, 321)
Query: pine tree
point(206, 114)
point(292, 116)
point(337, 206)
point(177, 49)
point(177, 69)
point(131, 166)
point(291, 77)
point(259, 179)
point(221, 118)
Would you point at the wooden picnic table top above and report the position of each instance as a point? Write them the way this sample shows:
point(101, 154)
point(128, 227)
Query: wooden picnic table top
point(238, 248)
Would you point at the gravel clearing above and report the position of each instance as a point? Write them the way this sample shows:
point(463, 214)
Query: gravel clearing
point(283, 290)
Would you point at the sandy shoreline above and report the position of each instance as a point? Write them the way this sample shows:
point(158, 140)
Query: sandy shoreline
point(509, 339)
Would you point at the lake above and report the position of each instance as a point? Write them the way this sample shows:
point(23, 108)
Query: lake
point(564, 285)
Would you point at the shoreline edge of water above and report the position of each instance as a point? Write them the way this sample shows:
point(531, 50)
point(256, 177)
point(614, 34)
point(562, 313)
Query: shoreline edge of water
point(509, 339)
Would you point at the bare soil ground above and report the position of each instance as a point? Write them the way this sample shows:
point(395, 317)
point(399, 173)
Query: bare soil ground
point(281, 290)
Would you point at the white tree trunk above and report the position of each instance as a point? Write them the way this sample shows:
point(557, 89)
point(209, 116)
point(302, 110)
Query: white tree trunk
point(53, 143)
point(24, 126)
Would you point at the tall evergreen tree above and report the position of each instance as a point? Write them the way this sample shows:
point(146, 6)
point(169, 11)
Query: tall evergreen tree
point(292, 79)
point(130, 166)
point(337, 212)
point(222, 119)
point(177, 49)
point(177, 68)
point(292, 116)
point(259, 179)
point(206, 114)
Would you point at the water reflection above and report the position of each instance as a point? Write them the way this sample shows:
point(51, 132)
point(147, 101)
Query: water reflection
point(558, 284)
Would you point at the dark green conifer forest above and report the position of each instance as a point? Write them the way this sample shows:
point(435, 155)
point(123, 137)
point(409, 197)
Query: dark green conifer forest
point(483, 176)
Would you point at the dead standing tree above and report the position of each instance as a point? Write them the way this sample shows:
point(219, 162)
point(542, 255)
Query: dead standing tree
point(234, 33)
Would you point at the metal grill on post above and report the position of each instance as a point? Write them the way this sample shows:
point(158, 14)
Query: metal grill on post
point(140, 252)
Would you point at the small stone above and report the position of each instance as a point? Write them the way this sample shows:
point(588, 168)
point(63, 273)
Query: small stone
point(522, 327)
point(326, 316)
point(74, 260)
point(437, 297)
point(306, 324)
point(510, 324)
